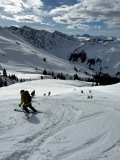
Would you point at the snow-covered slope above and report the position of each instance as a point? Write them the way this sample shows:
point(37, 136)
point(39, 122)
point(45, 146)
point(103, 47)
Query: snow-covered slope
point(56, 43)
point(100, 56)
point(71, 127)
point(79, 122)
point(106, 49)
point(19, 56)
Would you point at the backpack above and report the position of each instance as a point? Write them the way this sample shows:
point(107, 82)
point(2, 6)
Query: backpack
point(26, 97)
point(33, 94)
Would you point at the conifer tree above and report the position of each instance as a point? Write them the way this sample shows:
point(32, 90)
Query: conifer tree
point(1, 83)
point(45, 72)
point(5, 83)
point(4, 72)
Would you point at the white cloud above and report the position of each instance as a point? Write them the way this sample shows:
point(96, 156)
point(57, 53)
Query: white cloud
point(27, 18)
point(16, 6)
point(79, 15)
point(87, 11)
point(23, 18)
point(78, 26)
point(98, 27)
point(20, 10)
point(11, 6)
point(32, 3)
point(5, 17)
point(113, 23)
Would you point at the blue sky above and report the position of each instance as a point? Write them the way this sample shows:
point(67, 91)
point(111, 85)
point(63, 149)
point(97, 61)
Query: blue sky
point(94, 17)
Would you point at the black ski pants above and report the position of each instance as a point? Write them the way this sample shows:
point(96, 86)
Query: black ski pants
point(30, 106)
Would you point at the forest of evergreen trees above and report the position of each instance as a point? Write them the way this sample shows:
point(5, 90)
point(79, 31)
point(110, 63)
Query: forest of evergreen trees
point(105, 79)
point(98, 78)
point(6, 79)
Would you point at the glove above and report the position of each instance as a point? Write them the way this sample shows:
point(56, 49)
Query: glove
point(19, 105)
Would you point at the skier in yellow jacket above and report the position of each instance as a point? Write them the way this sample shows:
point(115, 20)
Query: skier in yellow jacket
point(26, 101)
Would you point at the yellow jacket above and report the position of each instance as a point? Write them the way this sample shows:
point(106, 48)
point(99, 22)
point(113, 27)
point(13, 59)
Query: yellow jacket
point(22, 101)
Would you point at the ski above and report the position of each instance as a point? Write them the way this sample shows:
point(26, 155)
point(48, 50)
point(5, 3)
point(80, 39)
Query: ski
point(26, 114)
point(30, 111)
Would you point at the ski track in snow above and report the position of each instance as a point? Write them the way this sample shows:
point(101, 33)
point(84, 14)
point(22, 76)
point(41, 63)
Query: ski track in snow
point(49, 135)
point(71, 127)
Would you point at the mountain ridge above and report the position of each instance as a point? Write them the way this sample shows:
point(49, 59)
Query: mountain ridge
point(19, 57)
point(63, 46)
point(53, 43)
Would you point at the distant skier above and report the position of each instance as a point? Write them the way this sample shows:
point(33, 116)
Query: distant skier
point(26, 101)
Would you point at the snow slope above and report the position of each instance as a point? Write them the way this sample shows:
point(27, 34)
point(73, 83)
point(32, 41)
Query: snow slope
point(71, 127)
point(108, 52)
point(19, 56)
point(107, 49)
point(56, 43)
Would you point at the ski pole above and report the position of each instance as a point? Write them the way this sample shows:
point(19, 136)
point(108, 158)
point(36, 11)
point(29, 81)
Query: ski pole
point(36, 102)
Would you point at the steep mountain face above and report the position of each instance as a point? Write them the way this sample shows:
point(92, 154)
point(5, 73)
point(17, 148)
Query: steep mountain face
point(55, 43)
point(101, 54)
point(22, 59)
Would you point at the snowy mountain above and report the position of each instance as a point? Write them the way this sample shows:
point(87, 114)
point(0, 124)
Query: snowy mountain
point(18, 56)
point(102, 53)
point(56, 43)
point(99, 56)
point(87, 37)
point(78, 121)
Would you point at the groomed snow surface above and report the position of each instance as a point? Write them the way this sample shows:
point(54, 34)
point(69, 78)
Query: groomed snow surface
point(71, 127)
